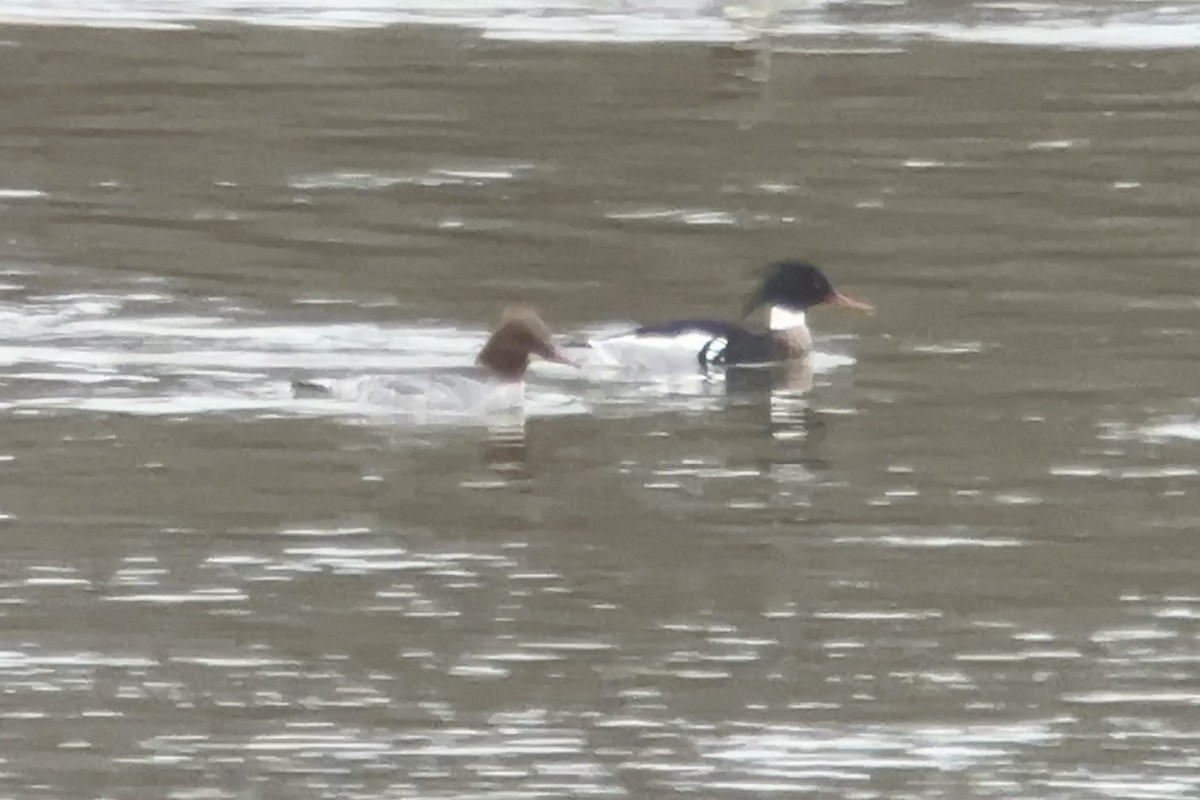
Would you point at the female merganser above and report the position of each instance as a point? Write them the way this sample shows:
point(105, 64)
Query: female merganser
point(496, 383)
point(789, 288)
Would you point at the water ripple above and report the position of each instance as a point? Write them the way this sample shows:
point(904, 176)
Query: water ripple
point(1040, 24)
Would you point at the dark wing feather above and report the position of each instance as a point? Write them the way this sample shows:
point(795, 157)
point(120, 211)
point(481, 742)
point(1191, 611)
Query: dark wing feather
point(747, 347)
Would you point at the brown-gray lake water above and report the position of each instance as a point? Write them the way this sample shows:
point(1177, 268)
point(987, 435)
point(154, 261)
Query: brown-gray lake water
point(963, 564)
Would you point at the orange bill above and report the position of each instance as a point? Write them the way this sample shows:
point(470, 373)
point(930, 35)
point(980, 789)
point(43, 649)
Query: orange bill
point(846, 301)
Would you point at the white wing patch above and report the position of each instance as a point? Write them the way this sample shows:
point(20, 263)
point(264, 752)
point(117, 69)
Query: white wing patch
point(654, 354)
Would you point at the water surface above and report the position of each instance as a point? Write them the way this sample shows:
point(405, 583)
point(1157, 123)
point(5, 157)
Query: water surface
point(960, 565)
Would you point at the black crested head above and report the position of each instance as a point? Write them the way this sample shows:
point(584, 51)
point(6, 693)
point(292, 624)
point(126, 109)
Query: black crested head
point(797, 285)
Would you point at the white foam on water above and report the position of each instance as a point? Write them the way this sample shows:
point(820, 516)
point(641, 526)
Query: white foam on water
point(1183, 429)
point(1096, 25)
point(8, 193)
point(105, 352)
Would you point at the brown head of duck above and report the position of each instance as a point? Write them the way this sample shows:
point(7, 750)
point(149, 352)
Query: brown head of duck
point(521, 335)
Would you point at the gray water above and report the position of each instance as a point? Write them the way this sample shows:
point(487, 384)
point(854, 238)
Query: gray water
point(962, 564)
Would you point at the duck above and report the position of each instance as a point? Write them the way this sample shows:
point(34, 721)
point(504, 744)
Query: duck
point(789, 289)
point(494, 383)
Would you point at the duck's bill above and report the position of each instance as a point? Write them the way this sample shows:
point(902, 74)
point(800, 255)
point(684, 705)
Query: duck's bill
point(559, 357)
point(846, 301)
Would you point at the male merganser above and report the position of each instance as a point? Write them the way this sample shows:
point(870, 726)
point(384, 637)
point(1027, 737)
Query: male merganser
point(789, 288)
point(496, 383)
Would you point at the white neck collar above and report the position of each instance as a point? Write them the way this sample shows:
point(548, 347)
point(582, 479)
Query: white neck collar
point(783, 319)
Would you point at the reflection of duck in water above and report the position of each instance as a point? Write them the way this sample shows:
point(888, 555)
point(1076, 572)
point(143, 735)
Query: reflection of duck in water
point(776, 395)
point(496, 383)
point(789, 290)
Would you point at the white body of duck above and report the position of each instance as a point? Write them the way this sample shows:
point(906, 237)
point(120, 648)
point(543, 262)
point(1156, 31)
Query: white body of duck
point(789, 289)
point(494, 385)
